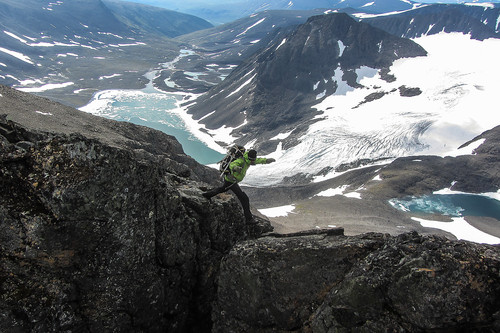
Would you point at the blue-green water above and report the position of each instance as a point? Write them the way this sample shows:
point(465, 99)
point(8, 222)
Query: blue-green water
point(152, 109)
point(454, 205)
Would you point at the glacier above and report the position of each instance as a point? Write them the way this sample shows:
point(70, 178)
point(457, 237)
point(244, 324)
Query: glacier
point(459, 84)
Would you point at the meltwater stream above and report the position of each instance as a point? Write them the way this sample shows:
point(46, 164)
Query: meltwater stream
point(153, 109)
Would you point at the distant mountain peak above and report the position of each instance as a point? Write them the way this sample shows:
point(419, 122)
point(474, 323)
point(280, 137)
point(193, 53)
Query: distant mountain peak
point(276, 87)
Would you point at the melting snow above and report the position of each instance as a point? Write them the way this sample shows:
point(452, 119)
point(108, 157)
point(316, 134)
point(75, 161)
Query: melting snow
point(250, 27)
point(17, 55)
point(277, 211)
point(460, 229)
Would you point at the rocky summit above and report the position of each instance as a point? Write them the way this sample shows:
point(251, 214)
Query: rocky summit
point(103, 228)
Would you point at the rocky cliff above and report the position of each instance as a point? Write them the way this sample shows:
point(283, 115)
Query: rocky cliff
point(103, 229)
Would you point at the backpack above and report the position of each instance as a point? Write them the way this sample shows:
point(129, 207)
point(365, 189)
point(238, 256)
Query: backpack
point(233, 153)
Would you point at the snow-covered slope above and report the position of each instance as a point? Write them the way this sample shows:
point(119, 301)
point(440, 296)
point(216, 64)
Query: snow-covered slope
point(459, 84)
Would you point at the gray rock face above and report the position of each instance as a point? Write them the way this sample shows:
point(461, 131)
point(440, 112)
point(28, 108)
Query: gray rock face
point(99, 237)
point(367, 283)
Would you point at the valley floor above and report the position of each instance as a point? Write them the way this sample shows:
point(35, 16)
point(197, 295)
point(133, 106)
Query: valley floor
point(358, 216)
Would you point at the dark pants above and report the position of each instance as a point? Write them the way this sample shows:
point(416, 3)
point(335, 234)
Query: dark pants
point(245, 202)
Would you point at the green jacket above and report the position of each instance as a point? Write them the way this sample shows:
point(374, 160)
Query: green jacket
point(244, 164)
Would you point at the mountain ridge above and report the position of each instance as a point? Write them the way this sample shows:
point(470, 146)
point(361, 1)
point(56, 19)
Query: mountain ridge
point(281, 65)
point(479, 22)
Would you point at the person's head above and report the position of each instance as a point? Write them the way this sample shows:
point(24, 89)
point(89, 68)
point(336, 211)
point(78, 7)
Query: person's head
point(252, 156)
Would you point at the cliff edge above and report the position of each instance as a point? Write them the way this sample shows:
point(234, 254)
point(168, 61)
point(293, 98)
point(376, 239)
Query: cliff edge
point(103, 226)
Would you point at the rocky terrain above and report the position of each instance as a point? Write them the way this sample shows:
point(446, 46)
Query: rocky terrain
point(366, 283)
point(103, 228)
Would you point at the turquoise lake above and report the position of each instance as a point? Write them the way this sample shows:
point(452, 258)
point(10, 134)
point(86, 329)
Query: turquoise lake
point(454, 205)
point(152, 110)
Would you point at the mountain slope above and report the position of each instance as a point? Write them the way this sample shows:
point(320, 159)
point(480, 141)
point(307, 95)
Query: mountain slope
point(69, 50)
point(156, 20)
point(376, 6)
point(215, 52)
point(477, 21)
point(273, 90)
point(223, 12)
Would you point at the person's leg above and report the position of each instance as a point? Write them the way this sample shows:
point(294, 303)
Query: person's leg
point(217, 190)
point(245, 201)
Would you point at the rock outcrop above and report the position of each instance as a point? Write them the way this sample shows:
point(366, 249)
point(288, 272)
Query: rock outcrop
point(105, 232)
point(103, 228)
point(367, 283)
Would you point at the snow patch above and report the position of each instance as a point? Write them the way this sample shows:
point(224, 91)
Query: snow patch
point(467, 150)
point(282, 136)
point(44, 113)
point(109, 76)
point(17, 55)
point(243, 85)
point(45, 87)
point(250, 27)
point(277, 211)
point(486, 5)
point(333, 191)
point(281, 44)
point(342, 48)
point(492, 195)
point(460, 229)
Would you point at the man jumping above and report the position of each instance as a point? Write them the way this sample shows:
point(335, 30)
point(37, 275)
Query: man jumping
point(237, 171)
